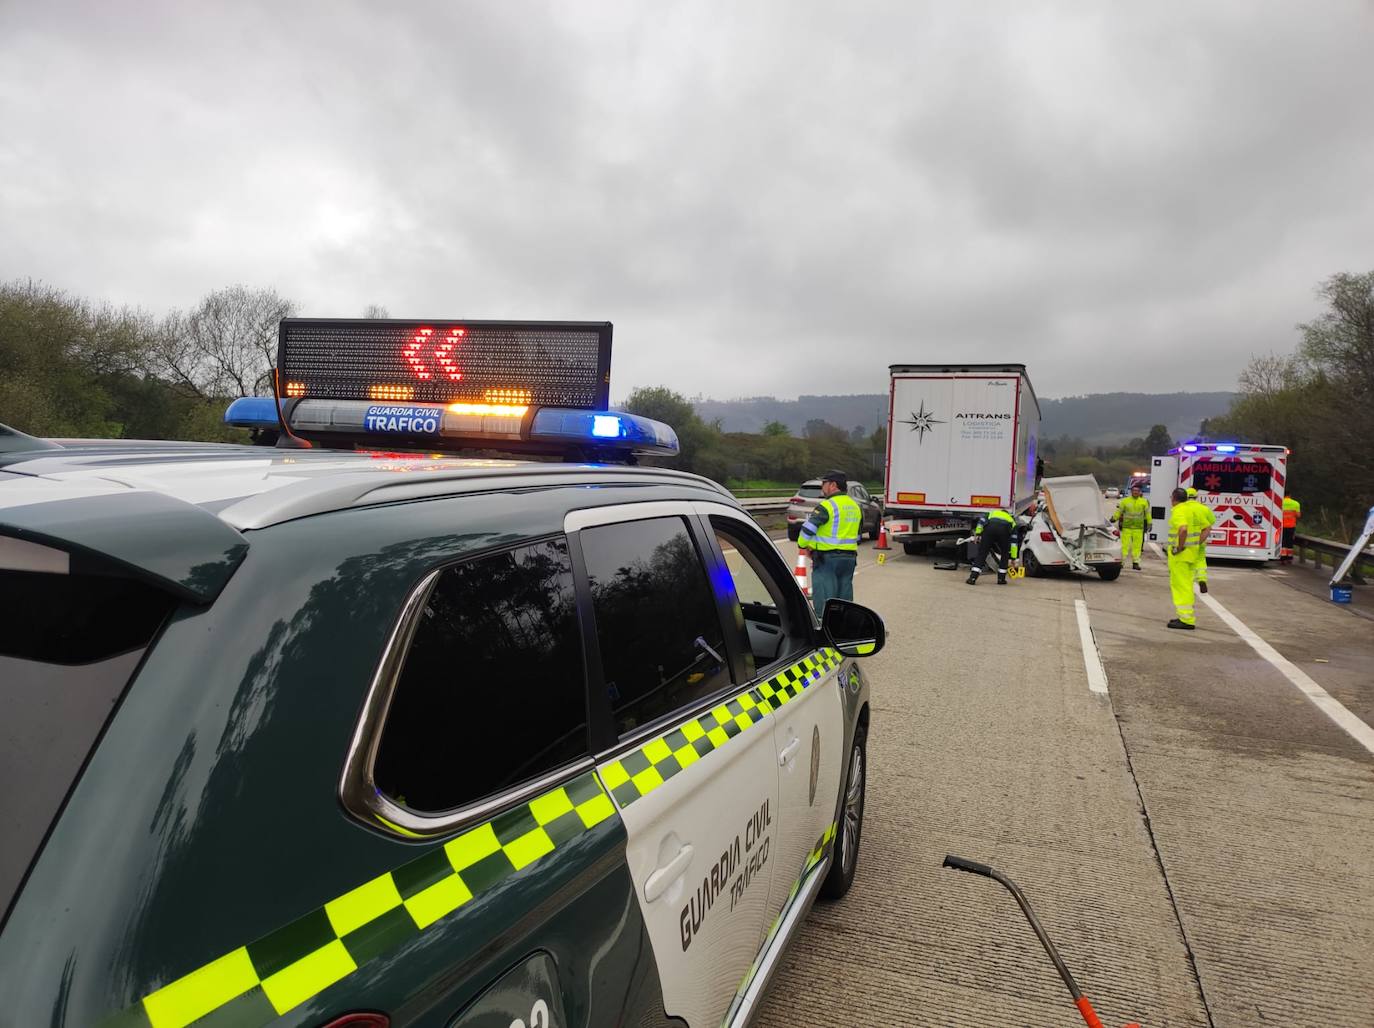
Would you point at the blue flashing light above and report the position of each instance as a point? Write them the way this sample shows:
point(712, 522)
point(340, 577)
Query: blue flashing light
point(1190, 448)
point(1225, 448)
point(252, 412)
point(628, 432)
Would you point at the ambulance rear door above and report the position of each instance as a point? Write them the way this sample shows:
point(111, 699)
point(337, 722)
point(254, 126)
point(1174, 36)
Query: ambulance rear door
point(1163, 481)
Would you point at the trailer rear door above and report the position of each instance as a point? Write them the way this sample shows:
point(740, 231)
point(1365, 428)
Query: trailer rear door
point(953, 441)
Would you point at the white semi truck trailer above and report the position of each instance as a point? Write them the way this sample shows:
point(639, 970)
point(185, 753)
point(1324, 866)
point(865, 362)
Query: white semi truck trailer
point(961, 441)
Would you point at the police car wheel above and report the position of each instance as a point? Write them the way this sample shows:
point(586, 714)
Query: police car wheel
point(849, 833)
point(1033, 566)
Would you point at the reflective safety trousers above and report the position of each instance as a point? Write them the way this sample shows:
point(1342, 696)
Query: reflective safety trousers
point(1132, 543)
point(1182, 574)
point(839, 531)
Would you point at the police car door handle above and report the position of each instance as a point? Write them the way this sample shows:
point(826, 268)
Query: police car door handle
point(665, 876)
point(788, 752)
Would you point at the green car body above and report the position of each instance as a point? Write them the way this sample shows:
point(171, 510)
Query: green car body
point(204, 869)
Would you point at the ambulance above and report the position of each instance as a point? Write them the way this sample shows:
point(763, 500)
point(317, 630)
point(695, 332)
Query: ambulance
point(1242, 483)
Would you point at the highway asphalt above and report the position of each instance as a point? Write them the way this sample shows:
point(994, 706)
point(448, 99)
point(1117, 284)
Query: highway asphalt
point(1198, 839)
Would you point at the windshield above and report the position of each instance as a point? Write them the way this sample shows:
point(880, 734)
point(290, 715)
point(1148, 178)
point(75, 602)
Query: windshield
point(68, 646)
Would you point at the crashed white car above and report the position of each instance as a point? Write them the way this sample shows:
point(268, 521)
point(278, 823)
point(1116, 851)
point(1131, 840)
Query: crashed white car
point(1072, 530)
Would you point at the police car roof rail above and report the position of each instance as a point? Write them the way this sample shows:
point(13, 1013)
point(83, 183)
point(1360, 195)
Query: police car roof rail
point(343, 490)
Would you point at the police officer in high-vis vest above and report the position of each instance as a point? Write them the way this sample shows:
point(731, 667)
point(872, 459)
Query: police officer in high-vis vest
point(997, 533)
point(831, 534)
point(1133, 514)
point(1183, 557)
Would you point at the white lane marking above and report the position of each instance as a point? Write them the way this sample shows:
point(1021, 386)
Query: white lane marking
point(1092, 660)
point(1325, 702)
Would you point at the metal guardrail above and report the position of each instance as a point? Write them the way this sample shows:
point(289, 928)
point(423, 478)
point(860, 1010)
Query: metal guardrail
point(765, 504)
point(1324, 551)
point(750, 494)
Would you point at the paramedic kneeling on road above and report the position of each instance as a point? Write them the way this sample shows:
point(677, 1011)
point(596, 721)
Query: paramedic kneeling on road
point(997, 533)
point(831, 534)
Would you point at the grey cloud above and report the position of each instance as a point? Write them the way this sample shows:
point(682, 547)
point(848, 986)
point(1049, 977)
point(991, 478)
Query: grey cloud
point(772, 198)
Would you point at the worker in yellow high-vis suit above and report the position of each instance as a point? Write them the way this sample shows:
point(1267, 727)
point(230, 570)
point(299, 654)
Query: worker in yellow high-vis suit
point(1133, 514)
point(1203, 520)
point(1183, 555)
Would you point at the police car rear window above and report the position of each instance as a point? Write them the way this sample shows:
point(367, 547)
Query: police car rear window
point(809, 491)
point(68, 646)
point(492, 692)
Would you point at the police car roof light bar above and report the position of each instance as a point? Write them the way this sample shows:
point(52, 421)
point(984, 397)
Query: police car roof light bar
point(252, 412)
point(532, 387)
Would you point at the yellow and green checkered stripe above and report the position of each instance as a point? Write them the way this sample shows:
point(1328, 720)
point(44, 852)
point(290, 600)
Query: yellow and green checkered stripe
point(255, 984)
point(641, 771)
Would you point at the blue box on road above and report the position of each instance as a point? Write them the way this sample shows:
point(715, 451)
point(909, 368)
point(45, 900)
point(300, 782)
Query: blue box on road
point(1340, 594)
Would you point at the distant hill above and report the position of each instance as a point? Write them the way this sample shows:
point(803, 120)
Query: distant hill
point(1095, 418)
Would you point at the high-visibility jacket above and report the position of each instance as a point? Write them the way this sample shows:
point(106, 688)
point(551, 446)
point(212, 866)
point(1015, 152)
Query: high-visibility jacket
point(1001, 515)
point(1182, 517)
point(837, 530)
point(1292, 510)
point(1202, 518)
point(1134, 514)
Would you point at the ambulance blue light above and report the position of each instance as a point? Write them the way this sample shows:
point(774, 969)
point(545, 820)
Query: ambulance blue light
point(628, 432)
point(1225, 448)
point(252, 412)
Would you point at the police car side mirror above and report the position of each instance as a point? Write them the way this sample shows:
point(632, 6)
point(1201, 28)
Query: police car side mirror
point(852, 628)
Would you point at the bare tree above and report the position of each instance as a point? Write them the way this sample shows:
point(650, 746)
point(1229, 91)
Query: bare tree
point(375, 312)
point(227, 345)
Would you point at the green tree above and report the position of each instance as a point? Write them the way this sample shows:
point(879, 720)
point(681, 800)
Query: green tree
point(1319, 402)
point(1157, 441)
point(776, 429)
point(700, 445)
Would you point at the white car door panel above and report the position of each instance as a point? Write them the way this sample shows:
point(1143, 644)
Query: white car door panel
point(699, 805)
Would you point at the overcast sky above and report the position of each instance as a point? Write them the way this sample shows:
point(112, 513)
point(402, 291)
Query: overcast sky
point(772, 198)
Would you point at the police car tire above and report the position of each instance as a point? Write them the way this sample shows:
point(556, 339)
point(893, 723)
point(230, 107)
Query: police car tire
point(1110, 572)
point(844, 862)
point(1033, 566)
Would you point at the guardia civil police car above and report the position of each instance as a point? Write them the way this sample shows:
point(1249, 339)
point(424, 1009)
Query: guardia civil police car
point(342, 733)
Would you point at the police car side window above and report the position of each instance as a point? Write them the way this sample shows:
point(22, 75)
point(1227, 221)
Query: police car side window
point(660, 637)
point(491, 693)
point(775, 628)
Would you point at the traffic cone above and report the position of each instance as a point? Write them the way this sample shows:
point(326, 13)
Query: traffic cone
point(881, 544)
point(802, 573)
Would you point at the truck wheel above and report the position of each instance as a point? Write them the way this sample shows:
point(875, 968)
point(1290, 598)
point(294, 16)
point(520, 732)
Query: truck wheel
point(1109, 572)
point(794, 532)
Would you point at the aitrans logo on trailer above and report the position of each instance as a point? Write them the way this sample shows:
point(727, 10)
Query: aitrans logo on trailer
point(922, 421)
